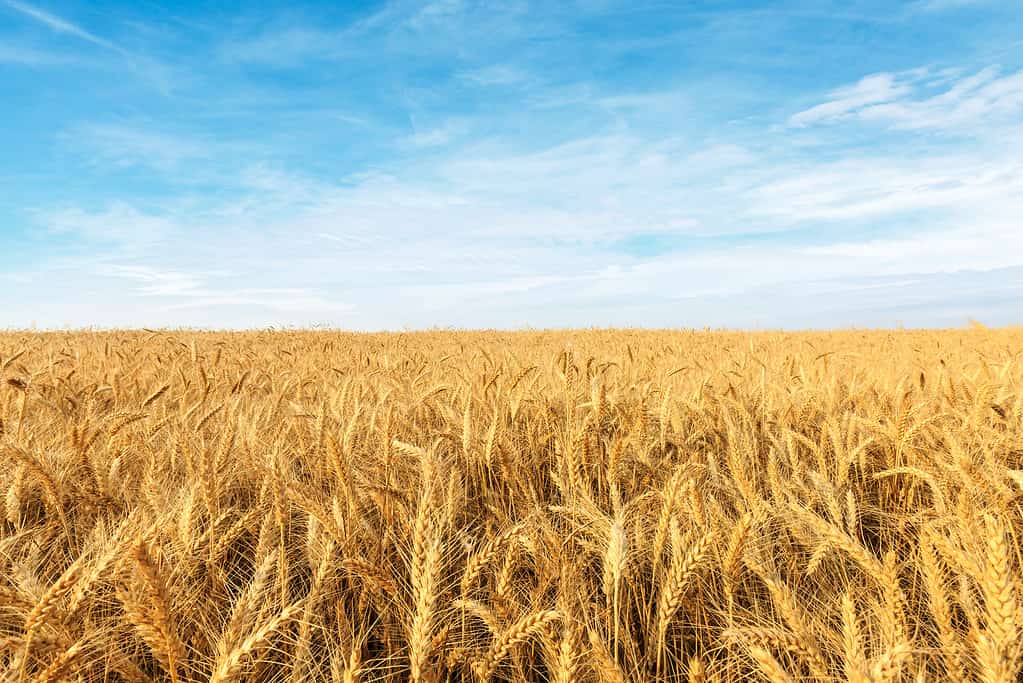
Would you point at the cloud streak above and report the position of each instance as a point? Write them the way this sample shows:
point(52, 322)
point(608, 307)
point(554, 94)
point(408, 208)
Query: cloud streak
point(913, 101)
point(58, 24)
point(845, 101)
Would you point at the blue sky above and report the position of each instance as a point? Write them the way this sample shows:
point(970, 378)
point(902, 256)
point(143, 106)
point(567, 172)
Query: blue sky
point(455, 163)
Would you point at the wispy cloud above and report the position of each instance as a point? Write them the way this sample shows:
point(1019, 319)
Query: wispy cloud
point(850, 99)
point(434, 12)
point(179, 291)
point(496, 74)
point(59, 24)
point(155, 282)
point(875, 186)
point(159, 75)
point(286, 47)
point(30, 56)
point(438, 135)
point(981, 98)
point(123, 145)
point(917, 100)
point(119, 224)
point(431, 31)
point(943, 5)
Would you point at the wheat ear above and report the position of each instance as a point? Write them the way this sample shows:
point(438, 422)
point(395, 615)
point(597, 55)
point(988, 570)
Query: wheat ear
point(518, 632)
point(231, 667)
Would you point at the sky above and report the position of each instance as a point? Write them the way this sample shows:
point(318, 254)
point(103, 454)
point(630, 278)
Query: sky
point(405, 165)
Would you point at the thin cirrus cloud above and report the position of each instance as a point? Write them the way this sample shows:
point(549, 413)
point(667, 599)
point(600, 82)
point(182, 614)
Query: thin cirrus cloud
point(916, 101)
point(33, 57)
point(599, 166)
point(848, 100)
point(58, 24)
point(126, 145)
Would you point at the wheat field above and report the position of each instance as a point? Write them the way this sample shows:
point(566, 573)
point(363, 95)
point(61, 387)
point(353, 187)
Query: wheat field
point(605, 505)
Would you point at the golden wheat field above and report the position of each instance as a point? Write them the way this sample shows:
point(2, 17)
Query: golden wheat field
point(511, 506)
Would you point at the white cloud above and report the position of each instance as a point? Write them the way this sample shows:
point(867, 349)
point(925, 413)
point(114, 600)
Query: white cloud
point(120, 223)
point(286, 47)
point(290, 300)
point(497, 74)
point(58, 24)
point(980, 100)
point(30, 56)
point(398, 30)
point(436, 136)
point(155, 282)
point(645, 103)
point(909, 101)
point(161, 76)
point(844, 101)
point(125, 145)
point(486, 289)
point(348, 239)
point(942, 5)
point(179, 291)
point(869, 187)
point(434, 12)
